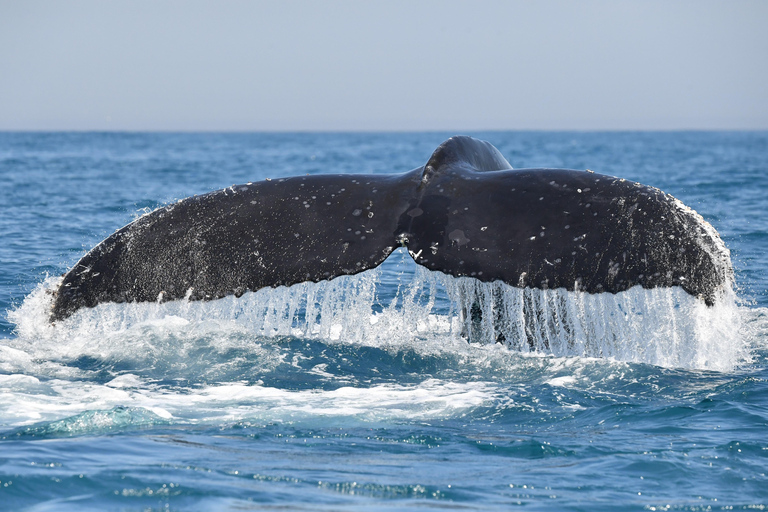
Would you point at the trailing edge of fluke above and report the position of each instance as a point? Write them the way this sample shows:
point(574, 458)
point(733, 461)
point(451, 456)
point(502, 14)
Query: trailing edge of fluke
point(465, 213)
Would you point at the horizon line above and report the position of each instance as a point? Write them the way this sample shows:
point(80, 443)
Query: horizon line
point(379, 131)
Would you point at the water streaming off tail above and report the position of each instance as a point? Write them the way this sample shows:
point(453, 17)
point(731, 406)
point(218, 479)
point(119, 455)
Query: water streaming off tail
point(402, 303)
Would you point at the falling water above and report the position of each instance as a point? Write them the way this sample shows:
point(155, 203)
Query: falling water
point(662, 326)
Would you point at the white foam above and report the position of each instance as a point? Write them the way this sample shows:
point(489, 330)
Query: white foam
point(564, 381)
point(430, 314)
point(127, 380)
point(236, 402)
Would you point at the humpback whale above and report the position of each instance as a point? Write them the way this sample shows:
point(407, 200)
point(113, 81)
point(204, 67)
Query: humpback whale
point(466, 212)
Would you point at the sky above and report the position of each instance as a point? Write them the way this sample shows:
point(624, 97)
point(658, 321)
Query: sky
point(383, 65)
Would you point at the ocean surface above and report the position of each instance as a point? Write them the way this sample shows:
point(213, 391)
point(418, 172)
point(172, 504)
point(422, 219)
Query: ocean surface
point(375, 401)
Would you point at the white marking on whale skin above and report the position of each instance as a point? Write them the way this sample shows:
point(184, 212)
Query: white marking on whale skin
point(415, 255)
point(458, 236)
point(721, 251)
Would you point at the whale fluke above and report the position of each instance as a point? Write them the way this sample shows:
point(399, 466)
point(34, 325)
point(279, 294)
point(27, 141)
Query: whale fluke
point(465, 213)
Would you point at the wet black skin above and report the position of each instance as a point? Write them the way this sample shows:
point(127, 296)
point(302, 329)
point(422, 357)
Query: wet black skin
point(465, 213)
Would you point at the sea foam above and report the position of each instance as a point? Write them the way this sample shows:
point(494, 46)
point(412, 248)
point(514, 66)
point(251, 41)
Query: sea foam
point(426, 311)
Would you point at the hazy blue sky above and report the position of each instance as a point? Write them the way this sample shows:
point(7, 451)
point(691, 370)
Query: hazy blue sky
point(395, 65)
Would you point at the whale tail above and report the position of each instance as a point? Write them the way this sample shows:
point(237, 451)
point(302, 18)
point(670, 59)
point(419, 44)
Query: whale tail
point(465, 213)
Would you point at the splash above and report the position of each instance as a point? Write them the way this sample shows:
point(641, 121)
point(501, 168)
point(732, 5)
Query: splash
point(409, 306)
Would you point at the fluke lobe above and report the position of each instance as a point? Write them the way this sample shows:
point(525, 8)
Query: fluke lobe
point(465, 213)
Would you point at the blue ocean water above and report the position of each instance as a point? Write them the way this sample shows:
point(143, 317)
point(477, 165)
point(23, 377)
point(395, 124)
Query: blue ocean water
point(381, 405)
